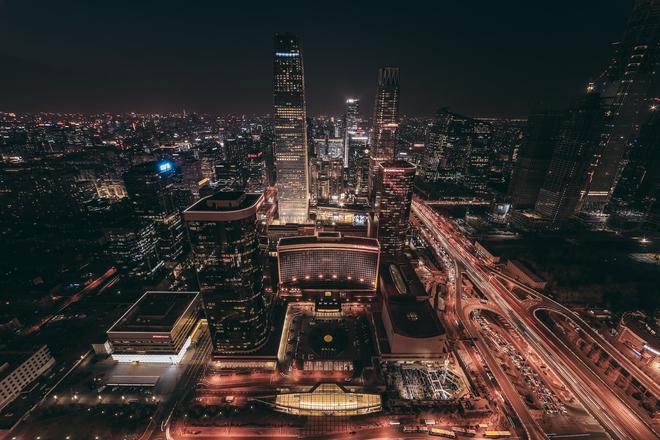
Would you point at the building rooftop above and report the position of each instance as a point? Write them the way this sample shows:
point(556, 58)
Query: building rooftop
point(402, 164)
point(330, 237)
point(643, 326)
point(410, 312)
point(155, 312)
point(225, 201)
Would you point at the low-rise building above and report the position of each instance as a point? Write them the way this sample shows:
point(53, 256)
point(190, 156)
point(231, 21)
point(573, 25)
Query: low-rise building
point(328, 261)
point(412, 326)
point(158, 328)
point(525, 275)
point(19, 369)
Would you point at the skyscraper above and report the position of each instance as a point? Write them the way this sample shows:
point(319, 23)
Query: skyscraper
point(394, 191)
point(326, 177)
point(132, 244)
point(636, 199)
point(385, 122)
point(351, 118)
point(580, 138)
point(629, 83)
point(150, 187)
point(436, 144)
point(225, 252)
point(539, 139)
point(290, 130)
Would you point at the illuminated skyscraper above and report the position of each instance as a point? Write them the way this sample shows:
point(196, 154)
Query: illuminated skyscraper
point(630, 83)
point(351, 118)
point(290, 130)
point(436, 144)
point(150, 187)
point(225, 251)
point(386, 120)
point(394, 191)
point(636, 200)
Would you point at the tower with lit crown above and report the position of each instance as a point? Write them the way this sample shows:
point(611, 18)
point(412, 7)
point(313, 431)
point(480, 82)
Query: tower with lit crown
point(290, 130)
point(385, 121)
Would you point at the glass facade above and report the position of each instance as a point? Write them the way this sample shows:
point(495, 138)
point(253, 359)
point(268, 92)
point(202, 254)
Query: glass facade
point(394, 191)
point(386, 121)
point(225, 249)
point(290, 130)
point(328, 399)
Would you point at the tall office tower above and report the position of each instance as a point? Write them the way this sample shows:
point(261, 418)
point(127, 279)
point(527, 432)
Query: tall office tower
point(580, 138)
point(357, 177)
point(436, 144)
point(540, 136)
point(132, 244)
point(150, 187)
point(636, 199)
point(351, 117)
point(629, 82)
point(326, 178)
point(385, 121)
point(225, 252)
point(394, 191)
point(290, 130)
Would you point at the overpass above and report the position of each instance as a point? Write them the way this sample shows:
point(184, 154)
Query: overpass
point(605, 405)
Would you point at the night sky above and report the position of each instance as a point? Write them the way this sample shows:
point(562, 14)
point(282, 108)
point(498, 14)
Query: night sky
point(480, 58)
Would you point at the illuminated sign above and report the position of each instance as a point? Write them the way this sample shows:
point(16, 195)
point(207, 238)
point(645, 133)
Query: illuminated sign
point(164, 167)
point(359, 220)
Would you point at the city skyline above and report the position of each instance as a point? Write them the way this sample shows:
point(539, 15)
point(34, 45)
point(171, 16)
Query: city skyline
point(362, 273)
point(223, 68)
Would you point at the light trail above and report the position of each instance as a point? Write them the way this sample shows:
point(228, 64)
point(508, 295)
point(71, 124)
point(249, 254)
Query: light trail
point(617, 418)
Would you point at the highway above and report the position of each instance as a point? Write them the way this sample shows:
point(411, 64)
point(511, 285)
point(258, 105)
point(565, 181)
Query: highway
point(454, 307)
point(612, 351)
point(599, 399)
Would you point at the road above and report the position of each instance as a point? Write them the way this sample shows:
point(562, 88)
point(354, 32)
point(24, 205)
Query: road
point(599, 399)
point(195, 361)
point(93, 285)
point(612, 351)
point(454, 307)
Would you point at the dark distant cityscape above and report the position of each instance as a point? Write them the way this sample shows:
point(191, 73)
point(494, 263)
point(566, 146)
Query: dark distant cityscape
point(368, 274)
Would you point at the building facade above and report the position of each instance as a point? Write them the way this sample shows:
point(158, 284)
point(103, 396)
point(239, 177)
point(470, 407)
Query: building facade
point(436, 146)
point(132, 243)
point(225, 252)
point(290, 130)
point(629, 83)
point(351, 118)
point(385, 121)
point(540, 135)
point(328, 261)
point(158, 328)
point(394, 191)
point(579, 141)
point(150, 187)
point(18, 370)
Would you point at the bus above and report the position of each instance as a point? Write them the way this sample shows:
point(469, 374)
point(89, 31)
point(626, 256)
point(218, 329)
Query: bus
point(442, 433)
point(413, 428)
point(497, 434)
point(463, 431)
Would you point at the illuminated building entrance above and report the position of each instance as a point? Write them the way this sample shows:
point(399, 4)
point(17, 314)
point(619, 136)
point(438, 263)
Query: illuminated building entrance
point(328, 399)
